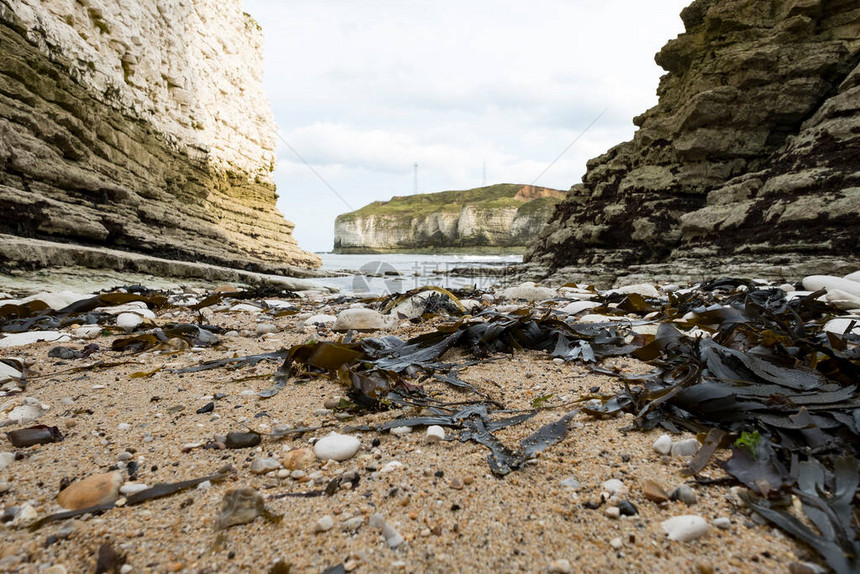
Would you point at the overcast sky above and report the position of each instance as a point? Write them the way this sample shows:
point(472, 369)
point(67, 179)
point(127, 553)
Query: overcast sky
point(364, 90)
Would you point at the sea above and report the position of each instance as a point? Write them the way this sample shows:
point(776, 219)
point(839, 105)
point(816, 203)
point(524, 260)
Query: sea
point(401, 272)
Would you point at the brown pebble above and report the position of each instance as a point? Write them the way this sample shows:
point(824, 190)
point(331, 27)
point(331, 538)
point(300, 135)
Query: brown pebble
point(456, 483)
point(468, 480)
point(653, 491)
point(174, 566)
point(91, 491)
point(298, 459)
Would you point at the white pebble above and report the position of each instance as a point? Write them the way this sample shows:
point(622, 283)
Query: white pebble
point(128, 321)
point(686, 447)
point(571, 483)
point(6, 459)
point(616, 543)
point(126, 569)
point(391, 466)
point(264, 465)
point(722, 523)
point(264, 328)
point(560, 566)
point(336, 447)
point(434, 433)
point(612, 512)
point(324, 524)
point(663, 445)
point(614, 486)
point(685, 528)
point(123, 426)
point(401, 430)
point(130, 488)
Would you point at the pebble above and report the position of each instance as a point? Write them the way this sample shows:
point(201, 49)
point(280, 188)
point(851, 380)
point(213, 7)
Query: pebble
point(578, 307)
point(298, 459)
point(55, 569)
point(242, 439)
point(6, 459)
point(264, 328)
point(685, 494)
point(571, 483)
point(64, 353)
point(560, 566)
point(627, 508)
point(362, 320)
point(653, 491)
point(663, 445)
point(264, 465)
point(816, 282)
point(26, 515)
point(245, 308)
point(434, 433)
point(612, 512)
point(336, 447)
point(320, 320)
point(239, 506)
point(91, 491)
point(686, 447)
point(123, 426)
point(352, 524)
point(124, 456)
point(401, 430)
point(324, 524)
point(130, 488)
point(4, 486)
point(87, 331)
point(643, 289)
point(685, 528)
point(392, 537)
point(390, 467)
point(529, 292)
point(614, 486)
point(806, 568)
point(722, 523)
point(616, 543)
point(128, 321)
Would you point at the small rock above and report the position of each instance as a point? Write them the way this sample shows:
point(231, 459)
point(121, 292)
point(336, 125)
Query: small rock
point(616, 543)
point(124, 456)
point(6, 459)
point(91, 491)
point(627, 508)
point(130, 488)
point(324, 524)
point(20, 339)
point(401, 430)
point(578, 307)
point(816, 282)
point(560, 566)
point(64, 353)
point(128, 321)
point(264, 328)
point(242, 439)
point(653, 491)
point(434, 433)
point(239, 506)
point(55, 569)
point(87, 331)
point(352, 524)
point(614, 486)
point(685, 494)
point(298, 459)
point(123, 426)
point(612, 512)
point(529, 292)
point(25, 516)
point(391, 466)
point(456, 483)
point(362, 320)
point(571, 483)
point(264, 465)
point(686, 447)
point(722, 523)
point(320, 320)
point(392, 537)
point(685, 528)
point(806, 568)
point(663, 445)
point(643, 289)
point(336, 447)
point(207, 408)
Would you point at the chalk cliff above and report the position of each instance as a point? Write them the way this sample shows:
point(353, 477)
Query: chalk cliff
point(140, 126)
point(752, 151)
point(504, 217)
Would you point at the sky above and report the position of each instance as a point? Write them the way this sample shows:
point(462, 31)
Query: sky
point(363, 91)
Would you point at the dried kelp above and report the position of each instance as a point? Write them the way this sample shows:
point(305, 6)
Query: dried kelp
point(761, 370)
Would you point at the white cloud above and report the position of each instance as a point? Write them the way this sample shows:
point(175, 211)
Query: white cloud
point(363, 92)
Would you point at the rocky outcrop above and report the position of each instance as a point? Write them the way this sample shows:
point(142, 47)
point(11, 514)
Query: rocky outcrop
point(753, 150)
point(504, 217)
point(140, 126)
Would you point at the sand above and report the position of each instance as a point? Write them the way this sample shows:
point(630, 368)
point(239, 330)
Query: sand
point(454, 514)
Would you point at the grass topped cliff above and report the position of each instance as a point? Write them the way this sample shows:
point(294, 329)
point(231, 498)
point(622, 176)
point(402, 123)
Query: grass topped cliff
point(494, 218)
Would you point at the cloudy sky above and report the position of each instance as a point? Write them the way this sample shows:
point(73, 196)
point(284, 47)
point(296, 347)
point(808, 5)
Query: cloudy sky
point(365, 90)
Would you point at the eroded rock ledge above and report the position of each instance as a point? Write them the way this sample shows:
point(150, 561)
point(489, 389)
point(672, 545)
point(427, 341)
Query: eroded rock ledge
point(140, 126)
point(753, 150)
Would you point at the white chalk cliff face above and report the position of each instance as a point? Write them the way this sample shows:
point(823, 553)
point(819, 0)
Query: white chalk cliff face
point(141, 125)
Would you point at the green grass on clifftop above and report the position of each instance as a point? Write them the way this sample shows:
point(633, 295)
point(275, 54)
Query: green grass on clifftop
point(491, 197)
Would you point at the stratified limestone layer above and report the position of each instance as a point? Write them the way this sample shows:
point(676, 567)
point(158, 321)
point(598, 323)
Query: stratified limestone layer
point(753, 148)
point(502, 217)
point(118, 128)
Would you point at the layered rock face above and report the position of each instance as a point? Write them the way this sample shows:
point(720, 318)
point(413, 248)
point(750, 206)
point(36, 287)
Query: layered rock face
point(504, 217)
point(140, 126)
point(752, 151)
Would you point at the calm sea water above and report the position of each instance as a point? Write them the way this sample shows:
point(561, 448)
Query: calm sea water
point(396, 273)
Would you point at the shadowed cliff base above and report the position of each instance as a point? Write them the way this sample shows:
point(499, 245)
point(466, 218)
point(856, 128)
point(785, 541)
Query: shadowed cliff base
point(752, 154)
point(83, 167)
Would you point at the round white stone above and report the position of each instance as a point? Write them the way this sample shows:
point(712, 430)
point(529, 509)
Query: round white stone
point(264, 465)
point(663, 445)
point(685, 528)
point(320, 320)
point(434, 433)
point(130, 488)
point(686, 447)
point(336, 447)
point(128, 321)
point(401, 430)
